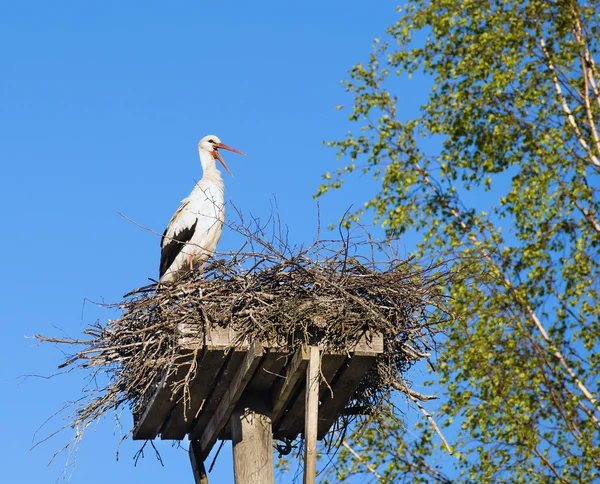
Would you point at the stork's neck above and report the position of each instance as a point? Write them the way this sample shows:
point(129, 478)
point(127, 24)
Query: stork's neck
point(209, 166)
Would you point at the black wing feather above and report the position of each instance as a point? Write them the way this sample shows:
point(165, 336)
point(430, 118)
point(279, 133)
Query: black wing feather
point(171, 248)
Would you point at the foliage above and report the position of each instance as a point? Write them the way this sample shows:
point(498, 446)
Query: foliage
point(501, 166)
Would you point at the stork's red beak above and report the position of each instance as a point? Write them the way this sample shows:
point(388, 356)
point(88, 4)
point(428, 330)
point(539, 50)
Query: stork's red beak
point(225, 147)
point(218, 155)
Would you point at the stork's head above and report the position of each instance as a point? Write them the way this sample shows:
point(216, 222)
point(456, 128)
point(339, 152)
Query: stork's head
point(212, 144)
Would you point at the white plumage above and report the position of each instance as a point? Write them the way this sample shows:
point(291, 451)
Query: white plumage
point(195, 229)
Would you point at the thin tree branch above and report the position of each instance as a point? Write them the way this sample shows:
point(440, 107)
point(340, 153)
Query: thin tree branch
point(586, 213)
point(588, 106)
point(362, 461)
point(419, 396)
point(432, 422)
point(549, 465)
point(566, 108)
point(578, 32)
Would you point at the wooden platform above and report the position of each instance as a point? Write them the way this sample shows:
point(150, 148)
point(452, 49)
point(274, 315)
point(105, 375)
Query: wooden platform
point(218, 376)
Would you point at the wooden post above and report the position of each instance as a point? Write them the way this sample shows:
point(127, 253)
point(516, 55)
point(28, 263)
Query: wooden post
point(252, 438)
point(311, 416)
point(197, 463)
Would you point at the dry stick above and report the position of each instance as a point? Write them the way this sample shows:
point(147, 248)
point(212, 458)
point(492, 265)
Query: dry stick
point(63, 340)
point(566, 108)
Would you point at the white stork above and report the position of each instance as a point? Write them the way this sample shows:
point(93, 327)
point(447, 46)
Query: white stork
point(195, 228)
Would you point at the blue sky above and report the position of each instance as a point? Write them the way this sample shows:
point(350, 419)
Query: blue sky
point(103, 104)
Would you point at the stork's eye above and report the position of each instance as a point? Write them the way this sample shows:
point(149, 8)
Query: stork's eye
point(212, 141)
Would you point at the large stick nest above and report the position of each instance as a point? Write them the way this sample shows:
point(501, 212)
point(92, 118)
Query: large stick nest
point(333, 292)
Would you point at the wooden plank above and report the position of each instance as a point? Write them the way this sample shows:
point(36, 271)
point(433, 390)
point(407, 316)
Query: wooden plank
point(368, 342)
point(160, 413)
point(197, 462)
point(344, 385)
point(190, 335)
point(271, 368)
point(292, 422)
point(210, 404)
point(220, 337)
point(252, 436)
point(311, 416)
point(230, 399)
point(283, 389)
point(226, 432)
point(159, 404)
point(183, 413)
point(193, 336)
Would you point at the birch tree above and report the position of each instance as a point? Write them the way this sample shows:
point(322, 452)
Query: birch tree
point(510, 192)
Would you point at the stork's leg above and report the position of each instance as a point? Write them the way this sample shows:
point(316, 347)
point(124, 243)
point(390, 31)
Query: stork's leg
point(200, 275)
point(201, 270)
point(191, 271)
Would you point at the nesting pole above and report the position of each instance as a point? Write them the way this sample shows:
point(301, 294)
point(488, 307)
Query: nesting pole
point(311, 416)
point(252, 438)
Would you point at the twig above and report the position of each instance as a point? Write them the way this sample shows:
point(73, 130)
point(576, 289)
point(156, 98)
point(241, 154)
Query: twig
point(362, 461)
point(432, 422)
